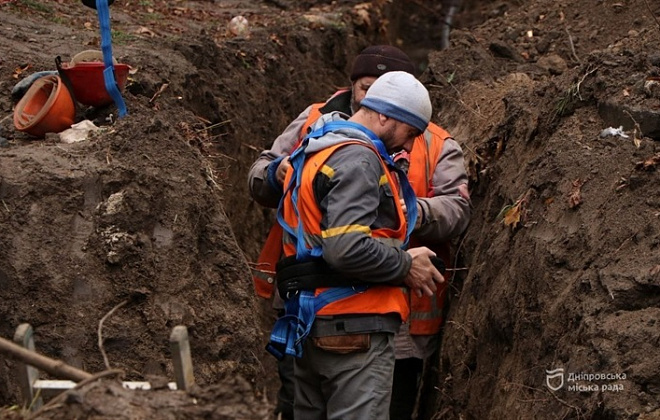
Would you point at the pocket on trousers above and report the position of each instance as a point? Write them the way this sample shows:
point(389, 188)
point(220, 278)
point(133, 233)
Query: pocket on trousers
point(344, 344)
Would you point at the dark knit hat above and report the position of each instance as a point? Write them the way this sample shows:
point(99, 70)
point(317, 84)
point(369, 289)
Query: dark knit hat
point(378, 60)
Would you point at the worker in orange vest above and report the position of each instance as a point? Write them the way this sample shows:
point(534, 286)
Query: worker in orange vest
point(346, 253)
point(437, 175)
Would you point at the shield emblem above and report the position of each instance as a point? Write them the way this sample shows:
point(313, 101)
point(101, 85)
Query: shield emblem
point(550, 378)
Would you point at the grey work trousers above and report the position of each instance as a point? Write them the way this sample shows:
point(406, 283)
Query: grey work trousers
point(355, 386)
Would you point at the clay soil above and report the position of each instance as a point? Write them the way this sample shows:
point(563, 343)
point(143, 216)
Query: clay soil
point(150, 216)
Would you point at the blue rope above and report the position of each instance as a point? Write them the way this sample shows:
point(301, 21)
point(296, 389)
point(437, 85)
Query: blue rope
point(106, 46)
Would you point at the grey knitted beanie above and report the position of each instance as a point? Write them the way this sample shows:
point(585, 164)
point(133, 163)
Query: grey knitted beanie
point(401, 96)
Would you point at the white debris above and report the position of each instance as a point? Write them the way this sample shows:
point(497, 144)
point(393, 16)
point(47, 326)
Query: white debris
point(77, 132)
point(239, 26)
point(611, 131)
point(114, 202)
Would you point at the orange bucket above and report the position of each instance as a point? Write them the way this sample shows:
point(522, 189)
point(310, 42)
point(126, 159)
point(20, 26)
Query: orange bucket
point(85, 74)
point(88, 84)
point(46, 107)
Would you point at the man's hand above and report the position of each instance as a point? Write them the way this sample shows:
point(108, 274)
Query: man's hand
point(418, 222)
point(423, 275)
point(282, 168)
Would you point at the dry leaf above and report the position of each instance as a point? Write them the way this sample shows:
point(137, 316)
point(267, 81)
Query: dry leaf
point(575, 197)
point(276, 40)
point(362, 14)
point(655, 270)
point(500, 147)
point(362, 18)
point(144, 30)
point(20, 70)
point(513, 214)
point(650, 163)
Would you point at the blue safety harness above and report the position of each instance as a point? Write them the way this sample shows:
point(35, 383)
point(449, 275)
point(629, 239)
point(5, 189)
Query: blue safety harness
point(294, 326)
point(106, 47)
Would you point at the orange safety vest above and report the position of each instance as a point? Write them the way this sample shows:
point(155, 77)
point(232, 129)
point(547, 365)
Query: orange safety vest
point(376, 299)
point(426, 311)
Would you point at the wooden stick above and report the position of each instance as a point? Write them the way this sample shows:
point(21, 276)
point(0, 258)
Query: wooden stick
point(183, 369)
point(52, 366)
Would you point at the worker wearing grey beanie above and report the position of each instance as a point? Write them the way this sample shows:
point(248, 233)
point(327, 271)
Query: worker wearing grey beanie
point(443, 212)
point(401, 96)
point(344, 190)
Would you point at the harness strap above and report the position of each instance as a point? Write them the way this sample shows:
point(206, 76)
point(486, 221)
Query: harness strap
point(294, 276)
point(297, 160)
point(290, 331)
point(106, 46)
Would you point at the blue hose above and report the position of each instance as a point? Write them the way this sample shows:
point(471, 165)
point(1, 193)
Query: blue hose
point(106, 47)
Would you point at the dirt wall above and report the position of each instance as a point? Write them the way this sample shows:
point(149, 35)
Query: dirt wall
point(557, 314)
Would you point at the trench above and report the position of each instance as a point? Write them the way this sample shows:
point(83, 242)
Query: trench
point(417, 28)
point(534, 299)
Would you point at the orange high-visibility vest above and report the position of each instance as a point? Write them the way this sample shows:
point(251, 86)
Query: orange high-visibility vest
point(426, 311)
point(376, 299)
